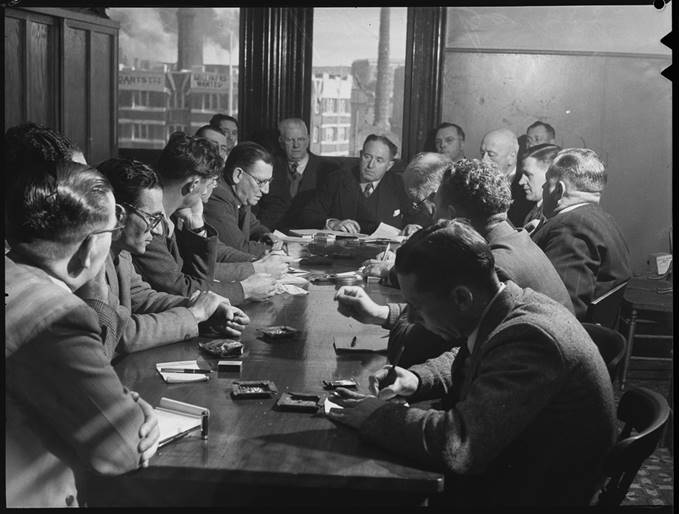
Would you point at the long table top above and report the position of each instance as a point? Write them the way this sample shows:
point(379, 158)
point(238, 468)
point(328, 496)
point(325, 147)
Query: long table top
point(251, 443)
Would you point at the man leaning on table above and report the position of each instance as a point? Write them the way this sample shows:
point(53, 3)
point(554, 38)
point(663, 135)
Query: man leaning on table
point(527, 409)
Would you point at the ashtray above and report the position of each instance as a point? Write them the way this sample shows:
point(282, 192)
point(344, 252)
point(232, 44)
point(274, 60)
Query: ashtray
point(349, 383)
point(298, 402)
point(278, 332)
point(253, 389)
point(222, 347)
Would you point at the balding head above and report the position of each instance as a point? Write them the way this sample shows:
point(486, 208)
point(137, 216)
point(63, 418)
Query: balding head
point(422, 177)
point(501, 147)
point(294, 138)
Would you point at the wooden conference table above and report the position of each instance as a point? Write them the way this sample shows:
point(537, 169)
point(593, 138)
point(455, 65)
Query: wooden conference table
point(256, 455)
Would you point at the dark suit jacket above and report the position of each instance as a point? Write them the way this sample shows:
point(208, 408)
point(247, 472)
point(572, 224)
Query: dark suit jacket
point(341, 197)
point(278, 209)
point(186, 262)
point(66, 410)
point(588, 251)
point(529, 418)
point(236, 225)
point(517, 258)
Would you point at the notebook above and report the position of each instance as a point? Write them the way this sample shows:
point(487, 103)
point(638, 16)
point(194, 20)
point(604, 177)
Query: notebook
point(176, 419)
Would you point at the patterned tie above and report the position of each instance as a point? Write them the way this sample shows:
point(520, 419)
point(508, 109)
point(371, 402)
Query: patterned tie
point(368, 190)
point(295, 179)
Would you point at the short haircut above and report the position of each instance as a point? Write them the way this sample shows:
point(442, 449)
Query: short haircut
point(581, 167)
point(245, 155)
point(550, 130)
point(291, 121)
point(201, 130)
point(128, 178)
point(445, 255)
point(218, 118)
point(544, 153)
point(58, 203)
point(445, 124)
point(425, 171)
point(479, 187)
point(393, 149)
point(185, 156)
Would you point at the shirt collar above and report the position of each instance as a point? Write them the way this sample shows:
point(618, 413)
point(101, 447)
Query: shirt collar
point(59, 282)
point(471, 340)
point(365, 184)
point(572, 207)
point(301, 164)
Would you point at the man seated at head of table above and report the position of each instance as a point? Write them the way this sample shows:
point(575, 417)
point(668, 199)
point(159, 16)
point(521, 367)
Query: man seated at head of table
point(357, 200)
point(149, 318)
point(246, 176)
point(528, 412)
point(583, 241)
point(67, 414)
point(476, 191)
point(183, 261)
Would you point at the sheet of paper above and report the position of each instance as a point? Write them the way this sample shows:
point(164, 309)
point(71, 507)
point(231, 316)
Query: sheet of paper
point(178, 378)
point(280, 236)
point(327, 405)
point(172, 423)
point(384, 231)
point(309, 232)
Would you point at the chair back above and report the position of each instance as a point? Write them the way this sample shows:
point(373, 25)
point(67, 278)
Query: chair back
point(612, 346)
point(645, 412)
point(604, 309)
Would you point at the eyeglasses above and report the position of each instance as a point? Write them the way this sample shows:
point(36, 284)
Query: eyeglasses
point(151, 220)
point(419, 203)
point(260, 183)
point(121, 219)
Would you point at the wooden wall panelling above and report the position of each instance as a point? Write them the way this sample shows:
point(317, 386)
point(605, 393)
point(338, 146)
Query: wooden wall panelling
point(76, 86)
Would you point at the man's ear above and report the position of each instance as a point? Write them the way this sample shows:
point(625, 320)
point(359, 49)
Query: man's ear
point(391, 163)
point(237, 174)
point(462, 298)
point(560, 190)
point(82, 258)
point(190, 185)
point(281, 142)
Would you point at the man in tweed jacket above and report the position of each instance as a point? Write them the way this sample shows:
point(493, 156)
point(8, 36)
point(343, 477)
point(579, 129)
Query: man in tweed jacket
point(527, 411)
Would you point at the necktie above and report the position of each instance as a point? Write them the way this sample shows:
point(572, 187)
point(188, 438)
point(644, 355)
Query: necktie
point(295, 179)
point(368, 190)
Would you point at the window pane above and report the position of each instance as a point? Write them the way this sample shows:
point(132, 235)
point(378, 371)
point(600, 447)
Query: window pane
point(177, 68)
point(355, 92)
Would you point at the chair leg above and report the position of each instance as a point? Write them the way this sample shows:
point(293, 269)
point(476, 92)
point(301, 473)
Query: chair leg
point(630, 343)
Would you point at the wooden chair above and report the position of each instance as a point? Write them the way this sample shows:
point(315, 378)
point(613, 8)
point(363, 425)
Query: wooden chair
point(604, 310)
point(645, 412)
point(612, 346)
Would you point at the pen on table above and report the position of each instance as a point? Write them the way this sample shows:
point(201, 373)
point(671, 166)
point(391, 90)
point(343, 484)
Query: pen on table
point(386, 251)
point(353, 342)
point(391, 374)
point(184, 370)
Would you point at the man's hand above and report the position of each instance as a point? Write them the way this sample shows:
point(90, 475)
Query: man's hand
point(191, 216)
point(234, 320)
point(149, 432)
point(410, 229)
point(203, 304)
point(347, 225)
point(387, 384)
point(259, 286)
point(354, 302)
point(273, 264)
point(380, 266)
point(357, 407)
point(96, 288)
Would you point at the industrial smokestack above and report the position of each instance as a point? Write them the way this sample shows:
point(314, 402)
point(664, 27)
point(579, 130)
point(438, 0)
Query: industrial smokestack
point(189, 39)
point(382, 87)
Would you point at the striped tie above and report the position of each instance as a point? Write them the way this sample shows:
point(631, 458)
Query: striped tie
point(368, 190)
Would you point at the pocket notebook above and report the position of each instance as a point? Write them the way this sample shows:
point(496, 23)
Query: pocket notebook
point(181, 378)
point(361, 343)
point(176, 419)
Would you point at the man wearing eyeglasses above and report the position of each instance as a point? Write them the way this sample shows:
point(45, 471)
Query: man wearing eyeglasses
point(246, 177)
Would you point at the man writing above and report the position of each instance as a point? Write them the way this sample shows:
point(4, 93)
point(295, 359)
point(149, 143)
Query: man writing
point(527, 405)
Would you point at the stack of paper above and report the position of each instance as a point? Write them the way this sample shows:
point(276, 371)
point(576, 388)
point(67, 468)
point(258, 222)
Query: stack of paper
point(280, 236)
point(387, 233)
point(179, 378)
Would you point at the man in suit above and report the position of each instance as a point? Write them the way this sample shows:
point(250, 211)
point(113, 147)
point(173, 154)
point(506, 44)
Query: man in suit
point(67, 414)
point(527, 411)
point(357, 200)
point(449, 141)
point(227, 125)
point(540, 133)
point(583, 242)
point(534, 167)
point(245, 179)
point(297, 173)
point(501, 147)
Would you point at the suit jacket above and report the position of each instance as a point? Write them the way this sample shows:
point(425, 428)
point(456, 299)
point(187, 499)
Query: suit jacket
point(185, 262)
point(148, 318)
point(66, 410)
point(278, 209)
point(517, 258)
point(528, 420)
point(341, 197)
point(588, 251)
point(236, 225)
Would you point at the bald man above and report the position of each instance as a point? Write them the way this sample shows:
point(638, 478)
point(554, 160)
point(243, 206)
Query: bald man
point(502, 147)
point(297, 173)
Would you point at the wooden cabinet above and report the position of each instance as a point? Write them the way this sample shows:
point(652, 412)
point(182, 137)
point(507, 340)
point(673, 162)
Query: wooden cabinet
point(61, 70)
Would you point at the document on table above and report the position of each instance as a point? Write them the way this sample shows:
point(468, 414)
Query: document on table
point(386, 232)
point(176, 419)
point(309, 232)
point(280, 236)
point(180, 378)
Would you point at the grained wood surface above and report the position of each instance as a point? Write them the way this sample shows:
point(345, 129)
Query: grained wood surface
point(250, 443)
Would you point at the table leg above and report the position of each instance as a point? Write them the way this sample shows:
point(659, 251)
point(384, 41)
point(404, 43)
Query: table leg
point(630, 343)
